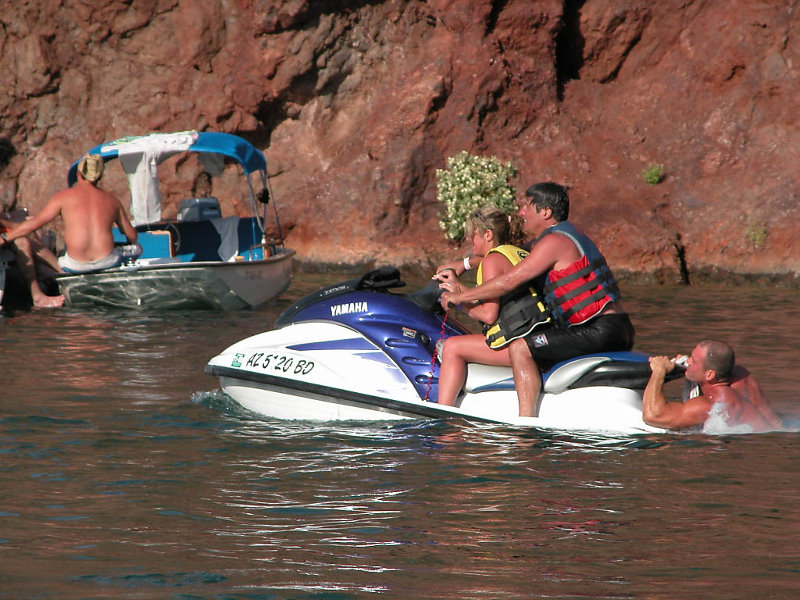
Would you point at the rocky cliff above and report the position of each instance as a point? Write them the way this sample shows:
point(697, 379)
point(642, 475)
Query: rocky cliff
point(357, 102)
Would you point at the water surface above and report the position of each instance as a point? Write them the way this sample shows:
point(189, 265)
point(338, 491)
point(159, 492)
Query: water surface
point(127, 474)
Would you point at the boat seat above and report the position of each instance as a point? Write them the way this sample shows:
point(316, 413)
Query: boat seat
point(481, 377)
point(629, 369)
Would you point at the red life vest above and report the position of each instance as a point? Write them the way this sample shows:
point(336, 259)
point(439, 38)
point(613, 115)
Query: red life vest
point(581, 291)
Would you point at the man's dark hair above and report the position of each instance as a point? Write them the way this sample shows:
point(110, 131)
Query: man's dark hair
point(720, 358)
point(550, 195)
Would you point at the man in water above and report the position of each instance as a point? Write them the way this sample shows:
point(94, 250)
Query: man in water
point(724, 391)
point(579, 288)
point(89, 216)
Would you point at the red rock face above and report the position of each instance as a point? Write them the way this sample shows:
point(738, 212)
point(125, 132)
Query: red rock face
point(356, 104)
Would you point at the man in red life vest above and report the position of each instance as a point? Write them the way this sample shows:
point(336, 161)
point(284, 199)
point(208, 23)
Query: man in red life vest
point(723, 390)
point(578, 287)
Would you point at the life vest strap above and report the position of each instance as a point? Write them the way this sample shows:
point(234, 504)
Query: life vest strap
point(595, 265)
point(604, 279)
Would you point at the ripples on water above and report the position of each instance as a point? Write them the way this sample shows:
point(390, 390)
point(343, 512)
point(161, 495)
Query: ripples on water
point(126, 473)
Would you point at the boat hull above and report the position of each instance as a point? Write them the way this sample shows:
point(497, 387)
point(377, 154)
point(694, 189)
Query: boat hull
point(195, 285)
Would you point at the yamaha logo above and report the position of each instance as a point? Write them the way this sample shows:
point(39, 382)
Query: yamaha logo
point(350, 307)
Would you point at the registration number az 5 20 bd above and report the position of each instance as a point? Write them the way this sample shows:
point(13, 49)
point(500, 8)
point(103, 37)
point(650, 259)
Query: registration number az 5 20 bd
point(277, 362)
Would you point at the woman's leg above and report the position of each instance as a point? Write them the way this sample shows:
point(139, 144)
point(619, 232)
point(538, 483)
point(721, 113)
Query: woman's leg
point(456, 353)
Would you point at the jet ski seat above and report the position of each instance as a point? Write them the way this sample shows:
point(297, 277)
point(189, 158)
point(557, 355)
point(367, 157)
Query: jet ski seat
point(383, 278)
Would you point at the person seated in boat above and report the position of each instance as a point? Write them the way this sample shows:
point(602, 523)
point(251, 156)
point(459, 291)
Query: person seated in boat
point(29, 254)
point(579, 289)
point(488, 228)
point(723, 397)
point(89, 215)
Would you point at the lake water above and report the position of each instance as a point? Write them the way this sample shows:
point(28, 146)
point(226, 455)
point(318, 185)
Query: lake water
point(127, 474)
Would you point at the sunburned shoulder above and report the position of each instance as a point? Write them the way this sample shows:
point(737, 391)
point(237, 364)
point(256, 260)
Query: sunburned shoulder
point(80, 189)
point(723, 393)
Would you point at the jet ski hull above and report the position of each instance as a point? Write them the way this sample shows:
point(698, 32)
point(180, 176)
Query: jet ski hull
point(325, 371)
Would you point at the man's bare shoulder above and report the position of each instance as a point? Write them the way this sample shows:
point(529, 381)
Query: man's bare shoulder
point(548, 243)
point(695, 410)
point(558, 248)
point(76, 191)
point(723, 393)
point(88, 193)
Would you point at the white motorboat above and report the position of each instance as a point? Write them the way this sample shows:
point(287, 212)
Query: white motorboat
point(201, 259)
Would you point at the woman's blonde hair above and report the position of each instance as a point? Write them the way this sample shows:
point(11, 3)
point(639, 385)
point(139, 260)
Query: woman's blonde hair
point(488, 218)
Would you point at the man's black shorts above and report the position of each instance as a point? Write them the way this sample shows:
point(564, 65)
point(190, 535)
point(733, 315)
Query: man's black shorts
point(606, 333)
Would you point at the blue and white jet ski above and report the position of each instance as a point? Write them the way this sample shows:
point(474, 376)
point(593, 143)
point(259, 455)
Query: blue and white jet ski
point(355, 351)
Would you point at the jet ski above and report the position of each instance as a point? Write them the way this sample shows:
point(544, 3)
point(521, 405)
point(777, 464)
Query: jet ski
point(360, 351)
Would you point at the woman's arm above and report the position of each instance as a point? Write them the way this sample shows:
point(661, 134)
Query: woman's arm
point(493, 265)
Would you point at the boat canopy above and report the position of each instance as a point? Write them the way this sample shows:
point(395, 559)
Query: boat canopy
point(141, 155)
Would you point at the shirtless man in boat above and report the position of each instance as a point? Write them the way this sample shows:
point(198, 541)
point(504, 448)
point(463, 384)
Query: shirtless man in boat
point(89, 216)
point(725, 390)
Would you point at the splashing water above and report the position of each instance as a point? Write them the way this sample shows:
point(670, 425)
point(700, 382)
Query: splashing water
point(717, 422)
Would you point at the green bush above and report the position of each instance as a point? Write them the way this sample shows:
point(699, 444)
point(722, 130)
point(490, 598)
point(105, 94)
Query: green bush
point(653, 174)
point(469, 182)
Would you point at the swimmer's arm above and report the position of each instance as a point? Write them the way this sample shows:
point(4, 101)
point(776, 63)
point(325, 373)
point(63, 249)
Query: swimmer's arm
point(656, 411)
